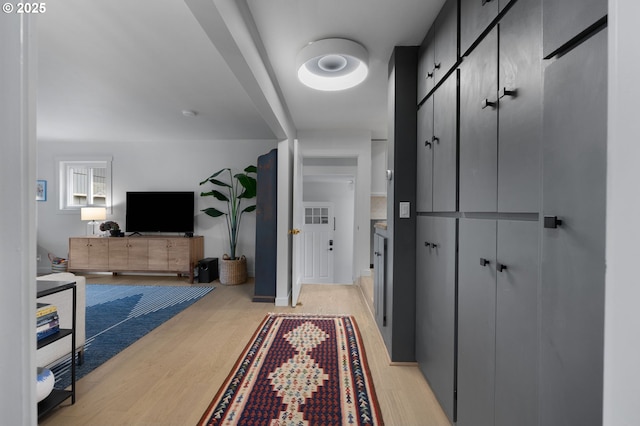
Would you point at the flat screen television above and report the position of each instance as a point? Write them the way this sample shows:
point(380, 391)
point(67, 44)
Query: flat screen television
point(160, 211)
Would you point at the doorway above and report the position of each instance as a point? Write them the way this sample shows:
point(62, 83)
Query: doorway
point(328, 183)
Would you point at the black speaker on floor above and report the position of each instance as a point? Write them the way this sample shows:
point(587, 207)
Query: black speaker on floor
point(208, 270)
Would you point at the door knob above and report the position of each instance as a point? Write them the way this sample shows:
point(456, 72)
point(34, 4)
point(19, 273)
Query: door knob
point(294, 231)
point(487, 103)
point(504, 92)
point(552, 222)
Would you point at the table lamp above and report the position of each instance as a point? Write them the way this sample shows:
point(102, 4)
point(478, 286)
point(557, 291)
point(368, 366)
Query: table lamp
point(92, 214)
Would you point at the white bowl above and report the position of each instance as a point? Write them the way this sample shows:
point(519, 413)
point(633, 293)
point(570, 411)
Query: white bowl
point(45, 383)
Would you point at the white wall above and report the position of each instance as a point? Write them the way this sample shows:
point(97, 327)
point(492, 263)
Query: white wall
point(148, 166)
point(342, 195)
point(378, 167)
point(348, 143)
point(17, 214)
point(622, 316)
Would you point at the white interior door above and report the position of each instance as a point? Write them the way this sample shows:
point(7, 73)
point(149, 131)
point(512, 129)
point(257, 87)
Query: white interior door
point(317, 240)
point(296, 268)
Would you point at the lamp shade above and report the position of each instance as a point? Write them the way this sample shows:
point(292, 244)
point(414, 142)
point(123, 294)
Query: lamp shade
point(332, 64)
point(93, 213)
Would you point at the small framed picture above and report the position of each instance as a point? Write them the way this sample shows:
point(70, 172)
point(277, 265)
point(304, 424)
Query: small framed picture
point(41, 190)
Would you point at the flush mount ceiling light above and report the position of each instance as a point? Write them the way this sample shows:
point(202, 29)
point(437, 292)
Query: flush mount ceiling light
point(332, 64)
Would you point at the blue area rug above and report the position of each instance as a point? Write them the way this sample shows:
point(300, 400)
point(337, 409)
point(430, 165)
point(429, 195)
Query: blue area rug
point(118, 315)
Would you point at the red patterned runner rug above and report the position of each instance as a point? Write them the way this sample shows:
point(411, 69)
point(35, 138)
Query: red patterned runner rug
point(299, 370)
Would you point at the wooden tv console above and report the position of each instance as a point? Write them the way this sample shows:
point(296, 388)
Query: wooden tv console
point(158, 253)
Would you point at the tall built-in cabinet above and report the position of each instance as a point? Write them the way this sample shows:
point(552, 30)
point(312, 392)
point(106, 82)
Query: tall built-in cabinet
point(510, 203)
point(573, 237)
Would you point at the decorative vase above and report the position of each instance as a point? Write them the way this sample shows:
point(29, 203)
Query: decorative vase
point(233, 271)
point(46, 380)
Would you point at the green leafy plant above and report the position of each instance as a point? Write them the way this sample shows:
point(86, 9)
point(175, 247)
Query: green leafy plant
point(233, 190)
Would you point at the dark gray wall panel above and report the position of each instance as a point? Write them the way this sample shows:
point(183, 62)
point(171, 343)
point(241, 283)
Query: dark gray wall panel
point(574, 181)
point(563, 20)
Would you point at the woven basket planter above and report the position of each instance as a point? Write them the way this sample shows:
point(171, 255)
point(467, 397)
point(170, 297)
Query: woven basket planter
point(233, 272)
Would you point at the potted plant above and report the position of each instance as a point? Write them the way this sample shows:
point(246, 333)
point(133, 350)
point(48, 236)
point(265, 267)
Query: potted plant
point(232, 189)
point(112, 227)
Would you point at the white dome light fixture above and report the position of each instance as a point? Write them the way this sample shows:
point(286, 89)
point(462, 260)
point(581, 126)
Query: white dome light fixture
point(333, 64)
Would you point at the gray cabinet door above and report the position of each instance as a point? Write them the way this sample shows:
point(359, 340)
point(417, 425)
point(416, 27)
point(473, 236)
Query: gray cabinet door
point(446, 39)
point(379, 280)
point(475, 17)
point(573, 267)
point(516, 340)
point(424, 154)
point(445, 150)
point(520, 109)
point(564, 20)
point(479, 128)
point(426, 60)
point(476, 322)
point(435, 306)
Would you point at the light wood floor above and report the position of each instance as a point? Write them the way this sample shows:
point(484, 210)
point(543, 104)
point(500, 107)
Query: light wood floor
point(169, 376)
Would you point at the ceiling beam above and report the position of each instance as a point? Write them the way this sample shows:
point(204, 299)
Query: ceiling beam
point(230, 27)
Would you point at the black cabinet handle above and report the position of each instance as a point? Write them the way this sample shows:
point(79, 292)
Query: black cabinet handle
point(552, 222)
point(500, 267)
point(504, 92)
point(435, 140)
point(427, 143)
point(434, 245)
point(430, 75)
point(487, 103)
point(427, 244)
point(484, 262)
point(485, 2)
point(436, 66)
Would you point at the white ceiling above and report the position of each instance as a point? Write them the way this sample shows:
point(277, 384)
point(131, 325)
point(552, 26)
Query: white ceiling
point(124, 70)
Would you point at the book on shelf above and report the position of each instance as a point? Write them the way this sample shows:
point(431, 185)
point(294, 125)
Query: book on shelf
point(46, 326)
point(43, 309)
point(46, 319)
point(42, 334)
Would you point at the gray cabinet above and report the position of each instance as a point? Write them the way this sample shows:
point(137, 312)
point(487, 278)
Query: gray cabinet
point(520, 108)
point(379, 280)
point(475, 17)
point(478, 127)
point(573, 252)
point(439, 50)
point(437, 150)
point(426, 59)
point(424, 157)
point(501, 116)
point(497, 323)
point(566, 19)
point(435, 306)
